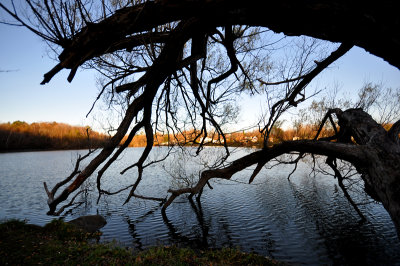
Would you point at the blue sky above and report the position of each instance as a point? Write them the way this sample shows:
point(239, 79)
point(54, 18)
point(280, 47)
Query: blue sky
point(21, 95)
point(349, 73)
point(23, 98)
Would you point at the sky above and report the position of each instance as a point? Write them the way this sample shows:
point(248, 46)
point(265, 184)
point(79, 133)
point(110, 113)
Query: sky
point(25, 57)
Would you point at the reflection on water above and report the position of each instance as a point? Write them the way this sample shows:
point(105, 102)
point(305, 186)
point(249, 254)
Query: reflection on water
point(304, 220)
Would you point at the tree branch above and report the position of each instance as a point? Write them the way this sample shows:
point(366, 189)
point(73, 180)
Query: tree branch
point(332, 163)
point(131, 112)
point(348, 152)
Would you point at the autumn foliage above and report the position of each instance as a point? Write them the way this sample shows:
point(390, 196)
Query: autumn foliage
point(58, 136)
point(47, 136)
point(249, 138)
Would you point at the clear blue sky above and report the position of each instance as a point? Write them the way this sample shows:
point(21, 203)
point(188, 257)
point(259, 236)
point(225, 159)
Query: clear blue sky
point(23, 98)
point(21, 95)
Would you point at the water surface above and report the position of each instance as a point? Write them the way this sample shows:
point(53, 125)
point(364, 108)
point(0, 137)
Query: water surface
point(304, 220)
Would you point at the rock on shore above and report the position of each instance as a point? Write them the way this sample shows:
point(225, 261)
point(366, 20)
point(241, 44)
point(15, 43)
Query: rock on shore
point(89, 223)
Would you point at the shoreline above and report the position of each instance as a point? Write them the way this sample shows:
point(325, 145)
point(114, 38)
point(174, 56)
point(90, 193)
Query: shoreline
point(61, 243)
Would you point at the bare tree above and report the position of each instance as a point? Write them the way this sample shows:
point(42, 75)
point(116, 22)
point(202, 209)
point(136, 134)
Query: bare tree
point(381, 102)
point(176, 65)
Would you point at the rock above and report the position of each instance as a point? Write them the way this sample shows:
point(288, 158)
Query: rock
point(89, 223)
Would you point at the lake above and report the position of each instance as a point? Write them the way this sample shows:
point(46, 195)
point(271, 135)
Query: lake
point(304, 220)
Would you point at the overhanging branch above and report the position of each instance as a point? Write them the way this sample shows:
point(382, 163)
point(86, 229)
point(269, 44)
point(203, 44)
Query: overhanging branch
point(348, 152)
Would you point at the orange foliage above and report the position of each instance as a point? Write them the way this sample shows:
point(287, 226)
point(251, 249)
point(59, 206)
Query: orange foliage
point(20, 135)
point(238, 139)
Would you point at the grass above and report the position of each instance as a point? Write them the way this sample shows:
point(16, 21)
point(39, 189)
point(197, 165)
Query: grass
point(62, 243)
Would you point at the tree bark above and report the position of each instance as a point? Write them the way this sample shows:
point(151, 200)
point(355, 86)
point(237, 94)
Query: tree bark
point(381, 169)
point(372, 26)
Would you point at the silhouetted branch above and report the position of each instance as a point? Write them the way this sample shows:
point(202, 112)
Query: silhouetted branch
point(332, 163)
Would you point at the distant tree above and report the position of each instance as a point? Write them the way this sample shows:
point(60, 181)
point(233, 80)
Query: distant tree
point(20, 135)
point(176, 65)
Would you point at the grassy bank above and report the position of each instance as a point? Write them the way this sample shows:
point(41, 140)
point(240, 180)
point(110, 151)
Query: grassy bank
point(62, 243)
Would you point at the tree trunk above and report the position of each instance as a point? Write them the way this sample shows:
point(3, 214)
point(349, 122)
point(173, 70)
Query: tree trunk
point(382, 181)
point(381, 169)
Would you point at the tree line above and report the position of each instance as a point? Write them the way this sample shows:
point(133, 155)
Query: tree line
point(251, 138)
point(20, 135)
point(248, 138)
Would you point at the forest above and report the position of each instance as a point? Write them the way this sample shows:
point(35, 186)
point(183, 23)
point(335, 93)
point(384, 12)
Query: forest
point(20, 135)
point(250, 138)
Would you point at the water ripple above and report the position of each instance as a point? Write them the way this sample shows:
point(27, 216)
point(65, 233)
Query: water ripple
point(304, 220)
